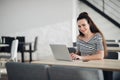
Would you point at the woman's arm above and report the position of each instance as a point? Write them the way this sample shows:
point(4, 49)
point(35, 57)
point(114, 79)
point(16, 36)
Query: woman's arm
point(98, 56)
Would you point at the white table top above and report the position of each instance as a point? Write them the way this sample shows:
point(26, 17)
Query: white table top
point(4, 45)
point(106, 64)
point(114, 49)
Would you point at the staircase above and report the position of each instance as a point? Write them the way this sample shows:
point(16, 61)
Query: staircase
point(107, 8)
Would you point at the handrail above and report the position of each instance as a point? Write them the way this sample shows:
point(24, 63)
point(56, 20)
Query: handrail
point(115, 11)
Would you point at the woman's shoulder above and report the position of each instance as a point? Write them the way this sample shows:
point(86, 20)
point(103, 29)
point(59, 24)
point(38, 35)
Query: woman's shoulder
point(79, 37)
point(98, 35)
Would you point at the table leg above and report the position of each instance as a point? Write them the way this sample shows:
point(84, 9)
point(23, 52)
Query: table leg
point(30, 53)
point(22, 56)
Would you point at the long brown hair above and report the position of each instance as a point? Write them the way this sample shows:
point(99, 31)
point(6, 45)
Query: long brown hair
point(93, 29)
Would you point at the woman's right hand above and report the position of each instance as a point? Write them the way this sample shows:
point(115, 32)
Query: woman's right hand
point(75, 56)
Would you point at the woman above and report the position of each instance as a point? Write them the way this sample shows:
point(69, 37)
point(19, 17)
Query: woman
point(90, 41)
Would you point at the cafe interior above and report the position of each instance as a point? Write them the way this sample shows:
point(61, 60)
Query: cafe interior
point(28, 27)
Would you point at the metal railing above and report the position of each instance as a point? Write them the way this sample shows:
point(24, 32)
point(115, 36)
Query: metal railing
point(108, 8)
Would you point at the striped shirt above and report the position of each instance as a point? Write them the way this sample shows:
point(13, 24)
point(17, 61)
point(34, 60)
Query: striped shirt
point(90, 47)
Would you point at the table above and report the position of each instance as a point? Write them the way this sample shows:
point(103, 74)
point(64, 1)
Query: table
point(2, 68)
point(114, 49)
point(4, 45)
point(106, 64)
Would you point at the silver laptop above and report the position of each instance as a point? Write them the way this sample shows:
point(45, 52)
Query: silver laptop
point(60, 52)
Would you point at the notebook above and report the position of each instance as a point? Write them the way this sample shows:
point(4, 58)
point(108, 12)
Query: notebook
point(60, 52)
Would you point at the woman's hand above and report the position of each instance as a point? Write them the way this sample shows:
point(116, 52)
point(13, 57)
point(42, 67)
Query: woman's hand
point(75, 56)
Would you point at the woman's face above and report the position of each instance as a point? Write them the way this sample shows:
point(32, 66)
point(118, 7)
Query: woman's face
point(83, 26)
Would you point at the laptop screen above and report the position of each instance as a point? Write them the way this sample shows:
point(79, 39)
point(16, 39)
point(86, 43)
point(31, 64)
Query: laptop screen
point(60, 52)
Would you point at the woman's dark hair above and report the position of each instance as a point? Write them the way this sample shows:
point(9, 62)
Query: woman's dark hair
point(93, 28)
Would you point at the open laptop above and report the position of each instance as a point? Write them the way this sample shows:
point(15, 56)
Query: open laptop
point(60, 52)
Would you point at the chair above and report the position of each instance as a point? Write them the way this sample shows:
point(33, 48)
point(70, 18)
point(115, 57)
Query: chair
point(112, 55)
point(118, 40)
point(74, 44)
point(13, 52)
point(111, 75)
point(34, 48)
point(74, 73)
point(26, 71)
point(116, 75)
point(112, 45)
point(21, 40)
point(71, 49)
point(21, 46)
point(35, 45)
point(7, 40)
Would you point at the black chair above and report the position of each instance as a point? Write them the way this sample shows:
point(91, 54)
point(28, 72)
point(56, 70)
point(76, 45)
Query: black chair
point(74, 44)
point(7, 40)
point(71, 49)
point(112, 45)
point(112, 55)
point(26, 71)
point(118, 40)
point(35, 44)
point(23, 44)
point(21, 40)
point(116, 75)
point(111, 75)
point(31, 50)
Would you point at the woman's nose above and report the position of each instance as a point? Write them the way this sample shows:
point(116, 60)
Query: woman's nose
point(81, 28)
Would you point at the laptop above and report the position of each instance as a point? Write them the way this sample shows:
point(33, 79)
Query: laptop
point(60, 52)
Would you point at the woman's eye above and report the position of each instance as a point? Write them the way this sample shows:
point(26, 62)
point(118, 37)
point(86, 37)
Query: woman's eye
point(79, 26)
point(83, 25)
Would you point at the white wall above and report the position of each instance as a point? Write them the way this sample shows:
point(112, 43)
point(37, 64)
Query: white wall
point(53, 21)
point(50, 20)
